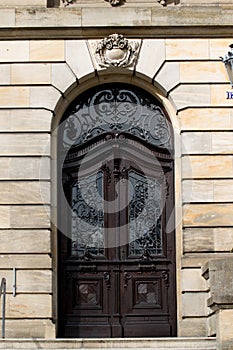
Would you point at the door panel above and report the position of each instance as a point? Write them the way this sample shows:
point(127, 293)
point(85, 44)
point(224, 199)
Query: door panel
point(117, 258)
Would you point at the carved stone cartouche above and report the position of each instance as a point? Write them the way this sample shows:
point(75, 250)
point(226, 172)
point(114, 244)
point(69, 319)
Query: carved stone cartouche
point(116, 51)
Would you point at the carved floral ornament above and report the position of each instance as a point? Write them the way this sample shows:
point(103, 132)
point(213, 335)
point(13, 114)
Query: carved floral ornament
point(66, 3)
point(116, 51)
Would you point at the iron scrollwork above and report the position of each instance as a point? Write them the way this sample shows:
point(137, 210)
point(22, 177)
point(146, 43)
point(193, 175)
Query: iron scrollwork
point(145, 216)
point(117, 110)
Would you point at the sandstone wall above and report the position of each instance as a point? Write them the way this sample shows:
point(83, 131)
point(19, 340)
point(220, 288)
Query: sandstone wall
point(40, 76)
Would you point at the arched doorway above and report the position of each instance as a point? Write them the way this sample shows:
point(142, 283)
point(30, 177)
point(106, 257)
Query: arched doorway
point(115, 198)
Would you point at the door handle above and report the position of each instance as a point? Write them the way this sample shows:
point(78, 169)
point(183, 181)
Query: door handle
point(107, 279)
point(127, 277)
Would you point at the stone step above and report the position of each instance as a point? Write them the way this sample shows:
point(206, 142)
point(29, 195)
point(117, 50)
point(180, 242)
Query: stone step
point(110, 344)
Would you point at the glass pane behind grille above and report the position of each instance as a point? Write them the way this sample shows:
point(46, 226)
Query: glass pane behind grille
point(145, 214)
point(87, 216)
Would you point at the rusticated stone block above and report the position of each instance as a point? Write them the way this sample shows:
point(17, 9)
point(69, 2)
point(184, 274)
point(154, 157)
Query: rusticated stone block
point(219, 272)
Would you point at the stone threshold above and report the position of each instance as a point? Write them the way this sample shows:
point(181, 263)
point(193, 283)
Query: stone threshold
point(182, 343)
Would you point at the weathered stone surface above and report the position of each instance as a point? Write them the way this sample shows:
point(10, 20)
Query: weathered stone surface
point(208, 215)
point(118, 17)
point(23, 168)
point(219, 239)
point(215, 190)
point(25, 261)
point(194, 304)
point(168, 76)
point(198, 240)
point(25, 120)
point(223, 191)
point(187, 49)
point(29, 281)
point(30, 73)
point(192, 191)
point(14, 51)
point(32, 328)
point(191, 96)
point(14, 3)
point(192, 280)
point(219, 47)
point(44, 17)
point(44, 97)
point(219, 95)
point(194, 326)
point(224, 321)
point(78, 58)
point(192, 16)
point(25, 241)
point(196, 143)
point(219, 272)
point(151, 57)
point(211, 325)
point(202, 72)
point(62, 76)
point(5, 74)
point(222, 142)
point(24, 144)
point(24, 192)
point(29, 306)
point(206, 119)
point(47, 50)
point(4, 217)
point(24, 216)
point(7, 18)
point(12, 96)
point(207, 166)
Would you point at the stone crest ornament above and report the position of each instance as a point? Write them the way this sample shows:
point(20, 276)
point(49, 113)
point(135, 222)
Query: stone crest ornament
point(66, 3)
point(116, 2)
point(116, 51)
point(162, 2)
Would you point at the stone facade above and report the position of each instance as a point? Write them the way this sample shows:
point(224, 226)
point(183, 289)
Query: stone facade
point(47, 58)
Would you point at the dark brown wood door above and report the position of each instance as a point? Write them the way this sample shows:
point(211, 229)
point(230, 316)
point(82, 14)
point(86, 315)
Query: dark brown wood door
point(118, 266)
point(116, 223)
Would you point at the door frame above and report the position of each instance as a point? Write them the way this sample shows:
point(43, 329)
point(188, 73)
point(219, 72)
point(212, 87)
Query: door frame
point(59, 111)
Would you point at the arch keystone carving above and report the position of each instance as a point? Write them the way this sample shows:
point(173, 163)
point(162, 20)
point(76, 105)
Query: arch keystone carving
point(116, 51)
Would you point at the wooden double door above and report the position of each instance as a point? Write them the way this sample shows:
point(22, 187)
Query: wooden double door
point(117, 255)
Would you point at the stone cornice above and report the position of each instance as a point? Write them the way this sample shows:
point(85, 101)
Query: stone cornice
point(75, 22)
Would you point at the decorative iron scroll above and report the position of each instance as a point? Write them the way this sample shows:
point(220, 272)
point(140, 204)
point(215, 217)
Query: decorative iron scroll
point(88, 217)
point(145, 216)
point(116, 110)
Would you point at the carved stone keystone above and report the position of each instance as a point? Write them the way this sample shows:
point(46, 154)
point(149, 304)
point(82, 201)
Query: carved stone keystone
point(116, 51)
